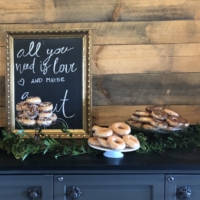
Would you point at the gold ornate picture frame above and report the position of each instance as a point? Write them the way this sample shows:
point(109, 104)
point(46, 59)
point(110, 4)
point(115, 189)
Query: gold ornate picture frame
point(54, 66)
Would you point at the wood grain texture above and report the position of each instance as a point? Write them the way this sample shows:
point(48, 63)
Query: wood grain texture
point(143, 89)
point(71, 11)
point(124, 33)
point(2, 91)
point(125, 59)
point(2, 61)
point(106, 115)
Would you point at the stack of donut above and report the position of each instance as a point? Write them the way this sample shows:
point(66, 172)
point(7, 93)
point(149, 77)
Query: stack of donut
point(157, 118)
point(116, 137)
point(33, 111)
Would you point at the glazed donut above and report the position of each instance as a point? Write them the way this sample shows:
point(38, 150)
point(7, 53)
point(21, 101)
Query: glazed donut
point(141, 113)
point(53, 117)
point(47, 114)
point(93, 141)
point(171, 112)
point(159, 114)
point(149, 127)
point(116, 143)
point(20, 105)
point(103, 132)
point(45, 106)
point(95, 127)
point(31, 112)
point(176, 121)
point(156, 107)
point(28, 122)
point(120, 128)
point(33, 100)
point(131, 141)
point(134, 123)
point(44, 121)
point(141, 119)
point(158, 123)
point(171, 128)
point(103, 142)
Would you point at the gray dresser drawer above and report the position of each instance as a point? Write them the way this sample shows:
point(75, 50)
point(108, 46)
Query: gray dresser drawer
point(109, 187)
point(182, 187)
point(23, 187)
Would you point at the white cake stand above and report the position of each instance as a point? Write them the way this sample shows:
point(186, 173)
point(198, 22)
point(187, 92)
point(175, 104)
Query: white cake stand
point(112, 153)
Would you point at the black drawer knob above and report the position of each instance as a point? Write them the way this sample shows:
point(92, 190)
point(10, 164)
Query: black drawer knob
point(73, 193)
point(183, 193)
point(33, 193)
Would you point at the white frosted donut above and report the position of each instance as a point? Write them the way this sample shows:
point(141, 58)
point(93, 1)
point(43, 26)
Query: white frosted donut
point(93, 141)
point(44, 121)
point(120, 128)
point(45, 106)
point(131, 141)
point(33, 100)
point(116, 143)
point(47, 114)
point(103, 132)
point(171, 112)
point(103, 142)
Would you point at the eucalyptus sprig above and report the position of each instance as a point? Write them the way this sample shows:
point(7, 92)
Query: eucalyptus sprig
point(21, 145)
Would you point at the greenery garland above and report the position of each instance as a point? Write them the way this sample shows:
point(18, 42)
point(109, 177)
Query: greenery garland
point(21, 144)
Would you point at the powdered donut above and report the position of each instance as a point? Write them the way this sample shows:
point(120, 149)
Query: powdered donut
point(171, 112)
point(116, 143)
point(120, 128)
point(44, 121)
point(131, 141)
point(45, 106)
point(103, 132)
point(33, 100)
point(93, 141)
point(103, 142)
point(159, 114)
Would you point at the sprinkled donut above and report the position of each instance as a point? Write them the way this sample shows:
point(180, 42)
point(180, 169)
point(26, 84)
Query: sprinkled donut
point(54, 117)
point(44, 121)
point(47, 114)
point(116, 143)
point(45, 106)
point(131, 141)
point(31, 112)
point(28, 122)
point(120, 128)
point(19, 106)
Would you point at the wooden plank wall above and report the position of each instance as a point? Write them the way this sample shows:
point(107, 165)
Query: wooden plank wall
point(144, 52)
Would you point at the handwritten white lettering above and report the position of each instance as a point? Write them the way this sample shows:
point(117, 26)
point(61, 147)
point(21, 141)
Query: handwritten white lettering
point(26, 66)
point(37, 80)
point(53, 80)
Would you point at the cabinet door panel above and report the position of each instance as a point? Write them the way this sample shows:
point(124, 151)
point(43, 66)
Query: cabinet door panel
point(111, 187)
point(17, 187)
point(182, 185)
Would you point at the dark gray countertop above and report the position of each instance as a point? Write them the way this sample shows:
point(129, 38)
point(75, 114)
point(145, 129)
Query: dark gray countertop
point(173, 160)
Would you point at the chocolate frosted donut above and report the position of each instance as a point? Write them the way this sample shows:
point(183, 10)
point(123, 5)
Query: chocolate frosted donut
point(158, 123)
point(156, 107)
point(159, 114)
point(177, 121)
point(141, 113)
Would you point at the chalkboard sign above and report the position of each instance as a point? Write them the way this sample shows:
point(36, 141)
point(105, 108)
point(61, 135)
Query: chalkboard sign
point(54, 66)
